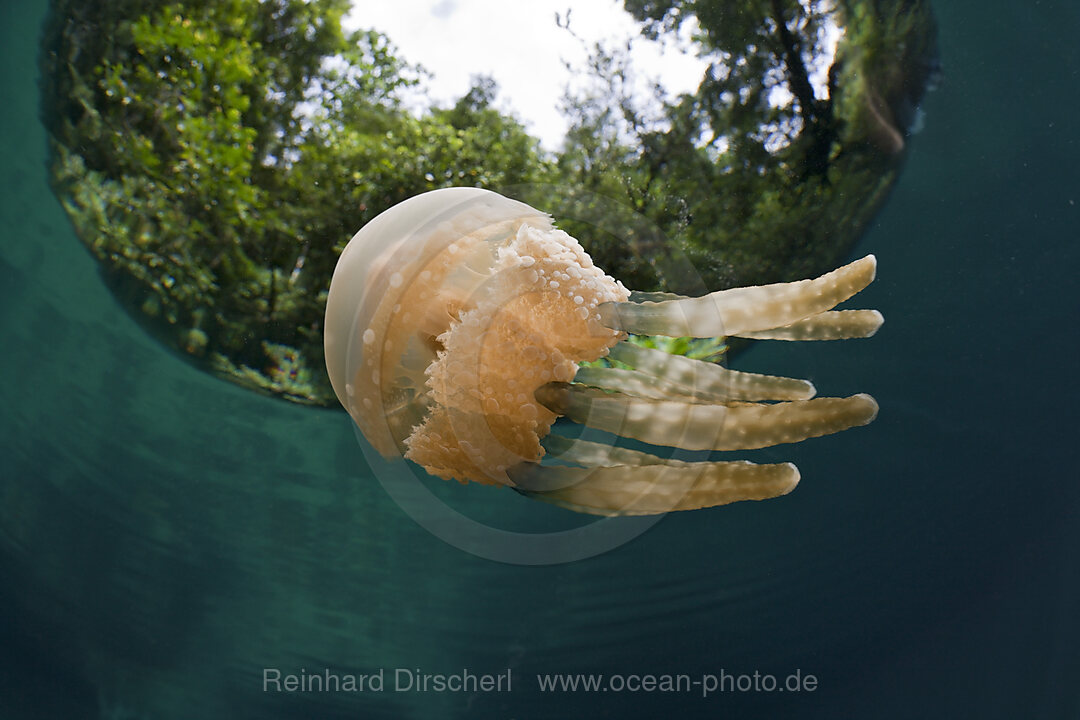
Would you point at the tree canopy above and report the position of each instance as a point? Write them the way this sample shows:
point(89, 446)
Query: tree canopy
point(771, 169)
point(216, 155)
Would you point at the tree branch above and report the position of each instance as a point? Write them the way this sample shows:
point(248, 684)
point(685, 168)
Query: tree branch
point(817, 116)
point(798, 78)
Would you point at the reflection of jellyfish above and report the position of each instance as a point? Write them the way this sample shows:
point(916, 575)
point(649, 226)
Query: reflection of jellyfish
point(455, 325)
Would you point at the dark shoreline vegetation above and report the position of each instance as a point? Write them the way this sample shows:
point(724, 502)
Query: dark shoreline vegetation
point(216, 155)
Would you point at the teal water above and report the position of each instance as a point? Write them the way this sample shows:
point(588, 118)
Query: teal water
point(165, 537)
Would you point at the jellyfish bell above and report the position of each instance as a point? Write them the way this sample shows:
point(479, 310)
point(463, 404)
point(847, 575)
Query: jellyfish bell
point(456, 325)
point(454, 306)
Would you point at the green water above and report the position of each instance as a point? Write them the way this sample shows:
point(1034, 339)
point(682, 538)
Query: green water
point(166, 537)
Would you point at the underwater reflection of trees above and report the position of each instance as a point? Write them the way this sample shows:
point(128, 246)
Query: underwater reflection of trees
point(216, 156)
point(773, 167)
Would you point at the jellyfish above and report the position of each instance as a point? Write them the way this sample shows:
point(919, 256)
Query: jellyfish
point(460, 325)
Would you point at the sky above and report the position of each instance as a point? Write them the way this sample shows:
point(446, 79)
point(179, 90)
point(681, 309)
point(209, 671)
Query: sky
point(519, 43)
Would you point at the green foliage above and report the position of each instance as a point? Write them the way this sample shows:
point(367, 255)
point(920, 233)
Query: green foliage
point(758, 176)
point(705, 349)
point(216, 155)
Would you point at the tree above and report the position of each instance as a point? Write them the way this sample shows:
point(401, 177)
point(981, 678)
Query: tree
point(773, 167)
point(216, 157)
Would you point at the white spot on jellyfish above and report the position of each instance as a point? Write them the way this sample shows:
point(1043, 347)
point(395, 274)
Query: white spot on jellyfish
point(395, 280)
point(369, 336)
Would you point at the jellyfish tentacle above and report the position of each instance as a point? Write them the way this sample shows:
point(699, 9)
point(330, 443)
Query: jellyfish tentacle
point(741, 310)
point(593, 454)
point(646, 296)
point(829, 325)
point(652, 489)
point(709, 378)
point(733, 426)
point(640, 384)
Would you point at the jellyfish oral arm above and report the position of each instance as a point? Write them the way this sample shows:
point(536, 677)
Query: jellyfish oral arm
point(674, 401)
point(829, 325)
point(618, 481)
point(698, 426)
point(758, 311)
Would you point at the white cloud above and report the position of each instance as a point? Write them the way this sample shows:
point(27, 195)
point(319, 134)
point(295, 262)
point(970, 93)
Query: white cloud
point(444, 9)
point(517, 43)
